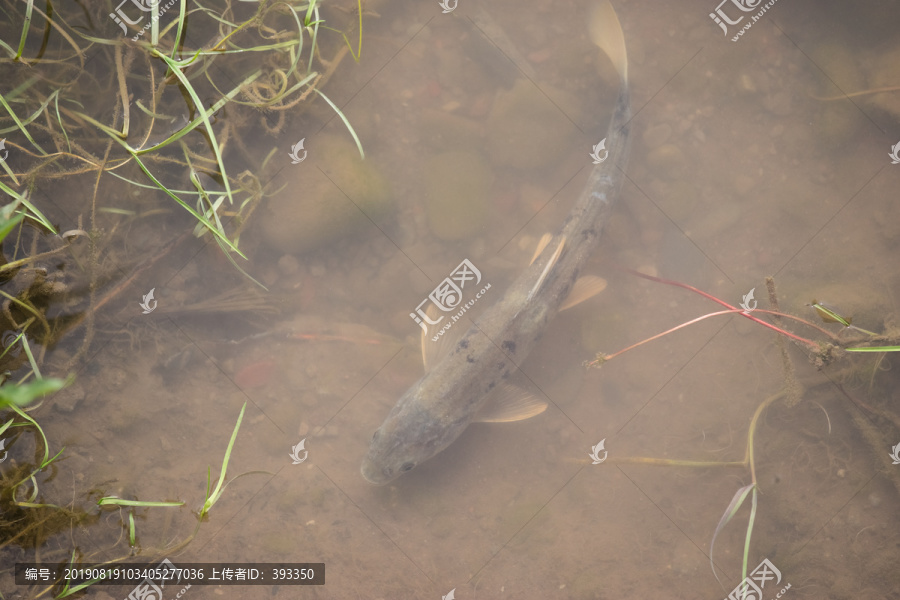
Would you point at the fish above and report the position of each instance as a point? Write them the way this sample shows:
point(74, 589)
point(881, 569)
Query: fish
point(471, 381)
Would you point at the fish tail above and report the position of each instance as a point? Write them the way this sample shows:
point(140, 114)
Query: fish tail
point(606, 33)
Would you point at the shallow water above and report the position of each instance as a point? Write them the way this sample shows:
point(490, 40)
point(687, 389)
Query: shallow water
point(737, 171)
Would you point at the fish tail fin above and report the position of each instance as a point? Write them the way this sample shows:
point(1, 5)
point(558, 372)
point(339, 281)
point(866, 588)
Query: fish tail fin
point(606, 33)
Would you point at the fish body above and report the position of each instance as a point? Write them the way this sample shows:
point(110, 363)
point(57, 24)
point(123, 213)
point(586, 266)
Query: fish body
point(438, 408)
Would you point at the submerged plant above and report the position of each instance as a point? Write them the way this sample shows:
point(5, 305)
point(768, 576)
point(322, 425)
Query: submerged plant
point(821, 353)
point(258, 62)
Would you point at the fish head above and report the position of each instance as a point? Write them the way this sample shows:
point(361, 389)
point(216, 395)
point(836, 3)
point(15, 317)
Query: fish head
point(410, 435)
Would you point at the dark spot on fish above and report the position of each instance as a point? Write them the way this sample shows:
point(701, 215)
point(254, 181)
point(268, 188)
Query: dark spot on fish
point(509, 346)
point(470, 359)
point(491, 386)
point(408, 466)
point(500, 366)
point(463, 344)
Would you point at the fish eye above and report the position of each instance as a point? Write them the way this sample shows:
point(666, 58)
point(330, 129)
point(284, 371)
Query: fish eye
point(407, 467)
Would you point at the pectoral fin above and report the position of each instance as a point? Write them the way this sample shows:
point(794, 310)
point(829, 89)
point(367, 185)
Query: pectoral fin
point(585, 287)
point(434, 351)
point(508, 403)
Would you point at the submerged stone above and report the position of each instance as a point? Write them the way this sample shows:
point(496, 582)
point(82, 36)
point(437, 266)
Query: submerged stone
point(316, 209)
point(525, 130)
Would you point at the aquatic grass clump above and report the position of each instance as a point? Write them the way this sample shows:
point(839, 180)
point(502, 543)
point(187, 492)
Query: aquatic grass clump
point(27, 524)
point(258, 61)
point(821, 353)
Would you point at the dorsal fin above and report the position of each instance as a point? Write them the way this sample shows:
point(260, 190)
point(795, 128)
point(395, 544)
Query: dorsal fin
point(542, 243)
point(547, 268)
point(434, 351)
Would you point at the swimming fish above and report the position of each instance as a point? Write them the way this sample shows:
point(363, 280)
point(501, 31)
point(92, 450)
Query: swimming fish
point(470, 383)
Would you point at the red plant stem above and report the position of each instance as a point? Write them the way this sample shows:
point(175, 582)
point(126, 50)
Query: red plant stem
point(809, 343)
point(667, 332)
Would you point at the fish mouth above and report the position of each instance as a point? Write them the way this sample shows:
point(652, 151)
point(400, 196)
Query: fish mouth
point(373, 474)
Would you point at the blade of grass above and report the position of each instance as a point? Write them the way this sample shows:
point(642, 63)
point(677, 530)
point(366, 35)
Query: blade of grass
point(203, 116)
point(175, 67)
point(131, 533)
point(34, 115)
point(116, 501)
point(736, 502)
point(20, 125)
point(9, 223)
point(211, 499)
point(747, 539)
point(875, 349)
point(35, 214)
point(26, 25)
point(346, 123)
point(143, 167)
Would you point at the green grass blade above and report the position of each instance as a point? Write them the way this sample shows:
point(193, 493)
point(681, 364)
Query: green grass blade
point(736, 501)
point(34, 365)
point(214, 497)
point(313, 9)
point(875, 349)
point(20, 125)
point(37, 113)
point(238, 267)
point(828, 315)
point(346, 122)
point(9, 224)
point(35, 214)
point(143, 167)
point(25, 393)
point(131, 534)
point(174, 67)
point(747, 539)
point(203, 115)
point(116, 501)
point(25, 27)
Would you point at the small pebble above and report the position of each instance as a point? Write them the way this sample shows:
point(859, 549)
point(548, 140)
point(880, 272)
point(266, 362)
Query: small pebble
point(288, 264)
